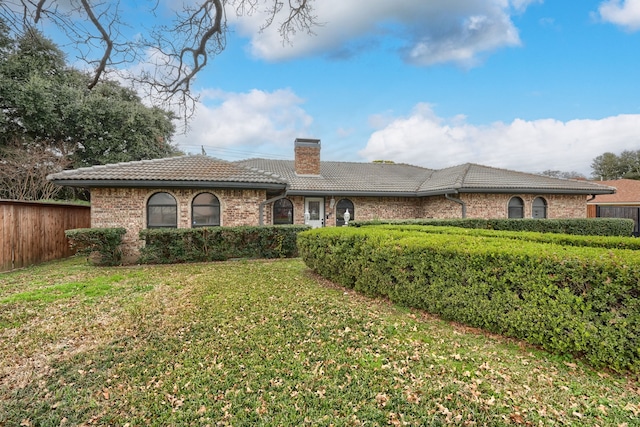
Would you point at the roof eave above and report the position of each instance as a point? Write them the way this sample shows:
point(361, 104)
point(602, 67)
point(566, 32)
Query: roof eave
point(351, 193)
point(537, 190)
point(115, 183)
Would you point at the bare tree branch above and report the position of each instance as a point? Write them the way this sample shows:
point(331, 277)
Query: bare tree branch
point(168, 58)
point(106, 38)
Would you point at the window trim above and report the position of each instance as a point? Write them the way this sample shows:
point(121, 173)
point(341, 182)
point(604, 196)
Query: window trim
point(290, 217)
point(162, 205)
point(339, 217)
point(511, 208)
point(544, 207)
point(214, 205)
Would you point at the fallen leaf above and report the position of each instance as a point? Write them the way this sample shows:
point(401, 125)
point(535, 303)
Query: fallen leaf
point(517, 418)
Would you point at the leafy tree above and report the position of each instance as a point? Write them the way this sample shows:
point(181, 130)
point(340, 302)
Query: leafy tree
point(101, 31)
point(608, 166)
point(563, 174)
point(51, 120)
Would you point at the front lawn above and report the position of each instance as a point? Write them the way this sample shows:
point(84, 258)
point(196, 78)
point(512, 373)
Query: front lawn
point(267, 343)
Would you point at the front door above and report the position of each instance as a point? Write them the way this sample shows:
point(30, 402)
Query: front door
point(314, 211)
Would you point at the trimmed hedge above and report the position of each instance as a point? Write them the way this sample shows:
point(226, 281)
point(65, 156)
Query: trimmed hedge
point(577, 226)
point(165, 246)
point(609, 242)
point(568, 300)
point(104, 243)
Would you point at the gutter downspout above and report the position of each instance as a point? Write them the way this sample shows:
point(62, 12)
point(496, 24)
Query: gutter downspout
point(273, 199)
point(460, 202)
point(591, 197)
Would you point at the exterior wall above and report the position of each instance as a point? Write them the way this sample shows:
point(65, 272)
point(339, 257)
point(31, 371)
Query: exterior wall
point(366, 208)
point(126, 207)
point(487, 206)
point(478, 206)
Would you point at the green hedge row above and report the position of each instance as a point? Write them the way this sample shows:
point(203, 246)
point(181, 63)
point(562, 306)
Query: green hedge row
point(569, 300)
point(576, 226)
point(164, 245)
point(101, 245)
point(609, 242)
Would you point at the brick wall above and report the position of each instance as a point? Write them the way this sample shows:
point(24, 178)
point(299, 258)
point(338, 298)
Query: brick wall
point(126, 207)
point(307, 156)
point(477, 205)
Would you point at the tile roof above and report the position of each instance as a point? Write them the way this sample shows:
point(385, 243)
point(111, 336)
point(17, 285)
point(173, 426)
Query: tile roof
point(182, 170)
point(347, 178)
point(627, 192)
point(472, 177)
point(386, 178)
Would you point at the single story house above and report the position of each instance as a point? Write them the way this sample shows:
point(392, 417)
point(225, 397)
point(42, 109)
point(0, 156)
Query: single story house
point(197, 190)
point(624, 203)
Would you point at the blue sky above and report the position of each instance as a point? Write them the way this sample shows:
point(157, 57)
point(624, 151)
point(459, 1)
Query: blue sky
point(524, 85)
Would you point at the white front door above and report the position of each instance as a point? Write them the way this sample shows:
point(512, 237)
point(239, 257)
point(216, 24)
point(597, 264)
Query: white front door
point(314, 211)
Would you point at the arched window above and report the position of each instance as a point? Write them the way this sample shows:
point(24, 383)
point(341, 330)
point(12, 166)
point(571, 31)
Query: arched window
point(162, 211)
point(539, 208)
point(283, 212)
point(205, 211)
point(341, 208)
point(516, 208)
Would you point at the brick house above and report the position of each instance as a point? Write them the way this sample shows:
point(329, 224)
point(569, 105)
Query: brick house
point(625, 203)
point(196, 190)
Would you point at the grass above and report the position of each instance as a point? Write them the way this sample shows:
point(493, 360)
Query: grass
point(267, 343)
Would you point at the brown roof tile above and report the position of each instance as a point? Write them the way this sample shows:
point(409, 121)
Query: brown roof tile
point(335, 177)
point(627, 192)
point(172, 170)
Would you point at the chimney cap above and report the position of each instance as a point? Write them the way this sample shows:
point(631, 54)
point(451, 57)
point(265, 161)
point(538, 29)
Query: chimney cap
point(307, 142)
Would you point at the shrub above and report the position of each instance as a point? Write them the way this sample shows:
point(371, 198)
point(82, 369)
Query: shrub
point(569, 300)
point(100, 245)
point(610, 242)
point(164, 245)
point(576, 226)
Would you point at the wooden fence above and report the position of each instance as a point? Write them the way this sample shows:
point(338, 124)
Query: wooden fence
point(631, 212)
point(33, 232)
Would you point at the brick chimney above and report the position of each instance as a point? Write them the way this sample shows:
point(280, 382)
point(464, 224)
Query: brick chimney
point(307, 156)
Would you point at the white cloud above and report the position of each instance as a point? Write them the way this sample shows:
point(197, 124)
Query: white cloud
point(423, 32)
point(625, 13)
point(427, 140)
point(253, 121)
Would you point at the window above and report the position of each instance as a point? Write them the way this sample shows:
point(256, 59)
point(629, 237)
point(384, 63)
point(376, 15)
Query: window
point(539, 208)
point(283, 212)
point(162, 211)
point(341, 208)
point(205, 211)
point(516, 208)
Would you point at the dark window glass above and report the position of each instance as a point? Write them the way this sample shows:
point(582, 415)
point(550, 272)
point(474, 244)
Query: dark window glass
point(283, 212)
point(539, 208)
point(341, 208)
point(205, 211)
point(162, 211)
point(516, 208)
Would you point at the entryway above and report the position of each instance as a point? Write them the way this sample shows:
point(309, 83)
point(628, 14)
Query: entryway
point(314, 211)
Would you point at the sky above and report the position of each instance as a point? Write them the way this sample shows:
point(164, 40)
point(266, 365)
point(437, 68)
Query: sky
point(527, 85)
